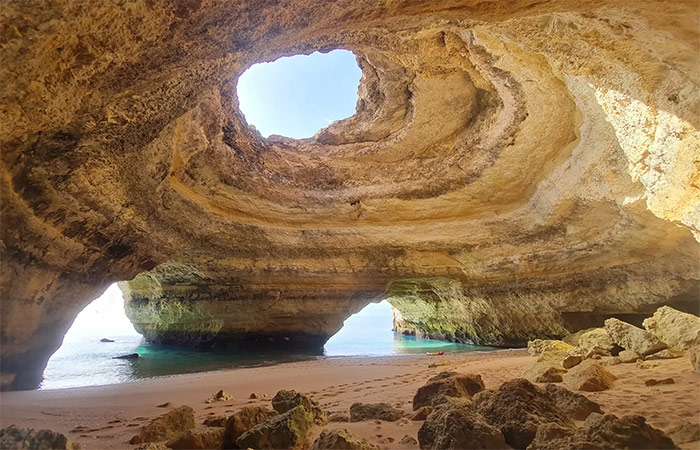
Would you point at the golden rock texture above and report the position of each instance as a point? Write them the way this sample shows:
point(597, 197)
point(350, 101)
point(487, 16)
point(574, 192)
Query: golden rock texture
point(514, 169)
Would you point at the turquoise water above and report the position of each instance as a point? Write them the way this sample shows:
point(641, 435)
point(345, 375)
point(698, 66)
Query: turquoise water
point(83, 360)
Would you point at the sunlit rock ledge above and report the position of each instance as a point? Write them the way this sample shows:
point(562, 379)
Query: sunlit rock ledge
point(538, 159)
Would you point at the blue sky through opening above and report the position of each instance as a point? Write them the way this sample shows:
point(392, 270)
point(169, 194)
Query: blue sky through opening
point(297, 96)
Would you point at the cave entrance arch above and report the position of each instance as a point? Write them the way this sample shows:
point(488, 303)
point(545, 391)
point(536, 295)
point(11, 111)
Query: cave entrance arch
point(298, 95)
point(83, 359)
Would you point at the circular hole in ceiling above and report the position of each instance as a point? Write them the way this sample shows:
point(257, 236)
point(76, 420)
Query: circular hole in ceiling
point(298, 95)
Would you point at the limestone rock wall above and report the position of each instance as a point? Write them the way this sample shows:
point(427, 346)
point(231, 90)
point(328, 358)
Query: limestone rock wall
point(542, 155)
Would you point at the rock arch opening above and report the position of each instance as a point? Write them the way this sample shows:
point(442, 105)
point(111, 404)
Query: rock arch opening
point(297, 96)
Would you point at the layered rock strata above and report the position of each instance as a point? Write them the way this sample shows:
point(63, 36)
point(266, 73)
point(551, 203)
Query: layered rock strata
point(513, 170)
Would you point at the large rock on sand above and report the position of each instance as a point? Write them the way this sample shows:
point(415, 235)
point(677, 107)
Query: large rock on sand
point(13, 438)
point(517, 408)
point(596, 340)
point(374, 411)
point(695, 358)
point(589, 376)
point(575, 405)
point(210, 438)
point(286, 400)
point(538, 346)
point(602, 432)
point(677, 329)
point(548, 368)
point(456, 426)
point(630, 337)
point(244, 420)
point(288, 430)
point(342, 439)
point(447, 384)
point(168, 426)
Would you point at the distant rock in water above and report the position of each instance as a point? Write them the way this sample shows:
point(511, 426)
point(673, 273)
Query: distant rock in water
point(129, 356)
point(106, 340)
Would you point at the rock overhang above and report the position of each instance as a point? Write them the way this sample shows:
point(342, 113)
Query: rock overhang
point(530, 154)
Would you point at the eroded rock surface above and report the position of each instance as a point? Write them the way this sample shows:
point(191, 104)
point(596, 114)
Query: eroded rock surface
point(342, 439)
point(514, 170)
point(288, 430)
point(28, 439)
point(454, 426)
point(374, 411)
point(517, 408)
point(633, 338)
point(589, 376)
point(679, 330)
point(447, 384)
point(168, 426)
point(603, 432)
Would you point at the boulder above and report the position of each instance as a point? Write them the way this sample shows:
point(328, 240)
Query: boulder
point(602, 432)
point(168, 426)
point(539, 346)
point(589, 376)
point(517, 408)
point(685, 433)
point(669, 353)
point(548, 367)
point(288, 430)
point(244, 420)
point(221, 396)
point(679, 330)
point(374, 411)
point(342, 439)
point(286, 400)
point(216, 421)
point(695, 358)
point(453, 426)
point(447, 384)
point(29, 439)
point(576, 406)
point(127, 356)
point(573, 338)
point(630, 337)
point(629, 356)
point(210, 438)
point(545, 372)
point(596, 341)
point(106, 340)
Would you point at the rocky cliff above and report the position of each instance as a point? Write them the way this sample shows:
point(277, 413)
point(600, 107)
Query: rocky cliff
point(508, 161)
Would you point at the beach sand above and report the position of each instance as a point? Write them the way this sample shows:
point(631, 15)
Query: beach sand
point(108, 416)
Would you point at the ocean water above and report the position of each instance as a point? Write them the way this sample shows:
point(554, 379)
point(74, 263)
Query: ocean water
point(83, 360)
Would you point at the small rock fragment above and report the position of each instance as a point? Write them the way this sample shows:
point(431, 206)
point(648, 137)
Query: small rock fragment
point(338, 417)
point(221, 396)
point(654, 382)
point(369, 411)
